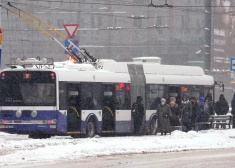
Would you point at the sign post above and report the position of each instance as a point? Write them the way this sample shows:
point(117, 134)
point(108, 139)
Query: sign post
point(71, 29)
point(232, 69)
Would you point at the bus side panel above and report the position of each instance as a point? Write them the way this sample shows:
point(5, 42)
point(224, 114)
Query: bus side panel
point(62, 121)
point(87, 115)
point(123, 121)
point(149, 115)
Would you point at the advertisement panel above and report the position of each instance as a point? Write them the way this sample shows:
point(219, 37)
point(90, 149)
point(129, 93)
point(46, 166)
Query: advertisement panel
point(223, 33)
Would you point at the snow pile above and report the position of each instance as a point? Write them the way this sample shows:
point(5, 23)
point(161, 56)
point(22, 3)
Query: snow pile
point(65, 148)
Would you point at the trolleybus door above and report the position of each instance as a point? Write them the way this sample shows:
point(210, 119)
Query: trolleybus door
point(73, 117)
point(108, 112)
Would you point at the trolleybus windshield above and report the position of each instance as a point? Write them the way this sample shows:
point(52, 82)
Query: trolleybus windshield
point(27, 88)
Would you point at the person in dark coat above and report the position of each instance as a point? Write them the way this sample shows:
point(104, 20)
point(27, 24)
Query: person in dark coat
point(194, 111)
point(233, 109)
point(137, 114)
point(221, 106)
point(164, 114)
point(175, 110)
point(186, 113)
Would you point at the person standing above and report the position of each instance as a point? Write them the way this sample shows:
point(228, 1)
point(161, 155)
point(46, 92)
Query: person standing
point(164, 114)
point(211, 103)
point(221, 106)
point(194, 111)
point(207, 109)
point(137, 114)
point(186, 113)
point(233, 109)
point(175, 110)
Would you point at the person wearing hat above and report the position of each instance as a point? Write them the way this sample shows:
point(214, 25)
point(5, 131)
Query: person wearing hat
point(164, 114)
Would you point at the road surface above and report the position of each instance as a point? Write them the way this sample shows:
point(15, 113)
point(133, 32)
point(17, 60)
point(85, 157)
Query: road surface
point(224, 158)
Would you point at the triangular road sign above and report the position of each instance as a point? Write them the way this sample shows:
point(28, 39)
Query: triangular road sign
point(71, 29)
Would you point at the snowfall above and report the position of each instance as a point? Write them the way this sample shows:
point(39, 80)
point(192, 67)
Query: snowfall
point(18, 149)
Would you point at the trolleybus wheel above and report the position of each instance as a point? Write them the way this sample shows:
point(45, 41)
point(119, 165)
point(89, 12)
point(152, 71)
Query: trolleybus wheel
point(153, 126)
point(90, 129)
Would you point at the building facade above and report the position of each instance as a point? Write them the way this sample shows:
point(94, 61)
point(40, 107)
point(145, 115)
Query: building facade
point(117, 30)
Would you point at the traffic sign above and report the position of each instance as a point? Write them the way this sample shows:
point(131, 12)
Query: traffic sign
point(67, 44)
point(232, 64)
point(232, 79)
point(71, 29)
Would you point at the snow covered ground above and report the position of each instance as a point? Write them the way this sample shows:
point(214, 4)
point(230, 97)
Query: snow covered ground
point(18, 149)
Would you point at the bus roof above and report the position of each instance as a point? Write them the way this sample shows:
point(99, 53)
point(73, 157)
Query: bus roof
point(112, 71)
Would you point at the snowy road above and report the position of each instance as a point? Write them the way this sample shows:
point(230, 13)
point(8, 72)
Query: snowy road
point(19, 150)
point(190, 159)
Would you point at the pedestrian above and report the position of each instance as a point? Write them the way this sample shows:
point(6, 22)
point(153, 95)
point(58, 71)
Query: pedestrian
point(173, 99)
point(211, 103)
point(194, 111)
point(186, 113)
point(164, 114)
point(199, 112)
point(221, 106)
point(206, 110)
point(138, 114)
point(175, 110)
point(233, 109)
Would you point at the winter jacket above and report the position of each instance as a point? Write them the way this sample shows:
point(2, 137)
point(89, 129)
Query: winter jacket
point(174, 120)
point(194, 111)
point(233, 105)
point(138, 111)
point(186, 112)
point(199, 106)
point(164, 114)
point(221, 106)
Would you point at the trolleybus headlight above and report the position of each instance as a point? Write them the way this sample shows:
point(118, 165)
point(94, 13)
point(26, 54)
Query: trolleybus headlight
point(18, 113)
point(34, 113)
point(53, 121)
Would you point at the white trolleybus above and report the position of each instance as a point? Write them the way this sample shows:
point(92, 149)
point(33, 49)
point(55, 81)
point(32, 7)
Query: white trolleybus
point(67, 98)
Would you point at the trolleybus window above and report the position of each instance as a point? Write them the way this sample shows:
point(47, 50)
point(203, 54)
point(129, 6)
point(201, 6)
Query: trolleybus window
point(154, 93)
point(123, 97)
point(28, 89)
point(63, 96)
point(91, 96)
point(192, 91)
